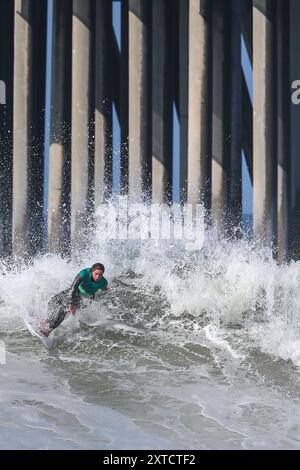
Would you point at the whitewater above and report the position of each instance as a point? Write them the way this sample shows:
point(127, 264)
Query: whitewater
point(189, 349)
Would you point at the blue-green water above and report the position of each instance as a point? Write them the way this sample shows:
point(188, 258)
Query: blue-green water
point(189, 349)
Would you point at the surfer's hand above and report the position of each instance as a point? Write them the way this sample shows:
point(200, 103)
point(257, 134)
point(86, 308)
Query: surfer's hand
point(72, 309)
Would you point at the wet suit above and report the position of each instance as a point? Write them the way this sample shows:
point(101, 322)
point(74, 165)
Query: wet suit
point(80, 294)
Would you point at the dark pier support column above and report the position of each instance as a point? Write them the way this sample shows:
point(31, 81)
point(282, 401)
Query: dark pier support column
point(183, 44)
point(82, 154)
point(283, 129)
point(162, 101)
point(199, 120)
point(124, 94)
point(139, 98)
point(234, 134)
point(28, 125)
point(295, 131)
point(247, 25)
point(103, 101)
point(247, 116)
point(59, 178)
point(247, 127)
point(6, 125)
point(221, 113)
point(264, 148)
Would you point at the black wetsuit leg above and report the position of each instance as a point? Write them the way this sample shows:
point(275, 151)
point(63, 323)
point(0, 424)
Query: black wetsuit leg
point(58, 308)
point(55, 320)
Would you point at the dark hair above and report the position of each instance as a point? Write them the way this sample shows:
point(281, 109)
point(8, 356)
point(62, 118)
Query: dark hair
point(98, 266)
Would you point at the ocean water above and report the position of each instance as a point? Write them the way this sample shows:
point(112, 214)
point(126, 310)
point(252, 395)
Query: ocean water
point(189, 349)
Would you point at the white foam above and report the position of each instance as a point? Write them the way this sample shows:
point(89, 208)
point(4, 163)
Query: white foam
point(230, 296)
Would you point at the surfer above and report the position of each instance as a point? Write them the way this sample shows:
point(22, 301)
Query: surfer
point(80, 294)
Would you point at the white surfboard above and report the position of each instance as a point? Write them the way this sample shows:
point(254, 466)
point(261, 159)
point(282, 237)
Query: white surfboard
point(44, 339)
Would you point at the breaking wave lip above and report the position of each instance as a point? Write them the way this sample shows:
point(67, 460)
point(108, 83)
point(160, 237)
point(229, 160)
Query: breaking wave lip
point(227, 282)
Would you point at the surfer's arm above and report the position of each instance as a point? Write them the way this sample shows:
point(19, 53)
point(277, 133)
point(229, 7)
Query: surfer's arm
point(74, 287)
point(74, 293)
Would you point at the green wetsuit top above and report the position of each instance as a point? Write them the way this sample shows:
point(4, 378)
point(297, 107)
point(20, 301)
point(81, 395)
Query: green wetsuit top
point(85, 285)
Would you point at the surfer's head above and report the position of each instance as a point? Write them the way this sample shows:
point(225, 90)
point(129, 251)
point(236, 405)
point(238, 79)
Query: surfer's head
point(97, 271)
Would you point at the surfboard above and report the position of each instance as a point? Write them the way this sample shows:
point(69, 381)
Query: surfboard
point(46, 341)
